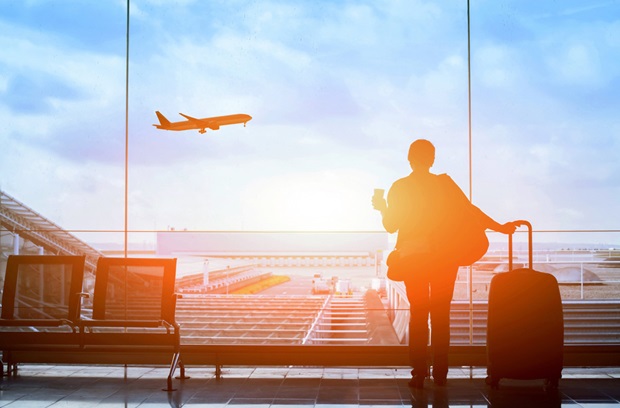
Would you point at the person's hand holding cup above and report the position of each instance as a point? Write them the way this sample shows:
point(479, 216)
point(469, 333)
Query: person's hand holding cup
point(378, 201)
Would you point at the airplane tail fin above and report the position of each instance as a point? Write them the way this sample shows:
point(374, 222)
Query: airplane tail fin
point(163, 122)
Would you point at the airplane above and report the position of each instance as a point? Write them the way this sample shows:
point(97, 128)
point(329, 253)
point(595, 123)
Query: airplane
point(212, 123)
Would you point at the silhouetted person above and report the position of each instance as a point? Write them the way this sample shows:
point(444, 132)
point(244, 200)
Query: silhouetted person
point(414, 208)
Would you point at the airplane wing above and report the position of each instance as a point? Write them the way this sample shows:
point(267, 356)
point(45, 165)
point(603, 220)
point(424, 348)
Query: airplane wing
point(191, 119)
point(202, 124)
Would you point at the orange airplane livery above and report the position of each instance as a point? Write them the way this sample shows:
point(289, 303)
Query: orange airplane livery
point(212, 123)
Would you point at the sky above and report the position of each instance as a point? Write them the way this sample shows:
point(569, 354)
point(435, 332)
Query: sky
point(337, 91)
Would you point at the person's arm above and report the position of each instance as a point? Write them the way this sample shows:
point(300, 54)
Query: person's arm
point(390, 213)
point(490, 223)
point(487, 221)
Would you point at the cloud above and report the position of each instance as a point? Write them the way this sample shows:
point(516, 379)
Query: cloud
point(498, 66)
point(577, 64)
point(287, 76)
point(36, 93)
point(335, 88)
point(84, 24)
point(75, 195)
point(67, 100)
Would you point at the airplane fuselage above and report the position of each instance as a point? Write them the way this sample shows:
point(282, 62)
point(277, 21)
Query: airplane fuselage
point(203, 124)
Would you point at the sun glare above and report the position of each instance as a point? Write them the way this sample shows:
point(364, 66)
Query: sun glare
point(312, 202)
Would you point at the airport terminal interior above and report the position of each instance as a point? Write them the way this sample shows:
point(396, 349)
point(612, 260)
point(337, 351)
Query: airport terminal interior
point(232, 255)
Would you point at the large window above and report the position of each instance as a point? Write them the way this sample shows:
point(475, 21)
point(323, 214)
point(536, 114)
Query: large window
point(337, 91)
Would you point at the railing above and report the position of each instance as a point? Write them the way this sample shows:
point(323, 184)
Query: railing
point(602, 277)
point(589, 319)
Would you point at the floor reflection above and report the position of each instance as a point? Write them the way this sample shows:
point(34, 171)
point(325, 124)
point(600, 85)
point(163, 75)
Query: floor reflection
point(80, 386)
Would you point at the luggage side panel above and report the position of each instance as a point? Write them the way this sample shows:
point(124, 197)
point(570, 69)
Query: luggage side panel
point(525, 332)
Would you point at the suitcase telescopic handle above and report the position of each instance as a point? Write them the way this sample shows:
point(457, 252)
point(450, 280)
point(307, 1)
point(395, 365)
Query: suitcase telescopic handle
point(520, 223)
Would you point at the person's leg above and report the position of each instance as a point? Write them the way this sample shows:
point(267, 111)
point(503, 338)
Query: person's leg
point(442, 289)
point(419, 306)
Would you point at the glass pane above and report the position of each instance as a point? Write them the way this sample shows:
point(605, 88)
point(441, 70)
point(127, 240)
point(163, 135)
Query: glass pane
point(63, 93)
point(43, 291)
point(134, 293)
point(336, 92)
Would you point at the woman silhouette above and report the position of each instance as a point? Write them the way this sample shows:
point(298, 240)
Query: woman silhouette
point(415, 209)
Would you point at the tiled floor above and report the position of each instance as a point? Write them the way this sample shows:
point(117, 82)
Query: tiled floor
point(89, 386)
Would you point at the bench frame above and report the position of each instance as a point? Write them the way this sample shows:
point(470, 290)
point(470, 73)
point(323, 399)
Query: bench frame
point(120, 342)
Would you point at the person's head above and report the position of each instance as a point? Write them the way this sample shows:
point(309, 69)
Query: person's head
point(421, 154)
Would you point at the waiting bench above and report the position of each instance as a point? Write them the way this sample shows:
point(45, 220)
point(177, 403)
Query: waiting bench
point(130, 319)
point(41, 322)
point(40, 305)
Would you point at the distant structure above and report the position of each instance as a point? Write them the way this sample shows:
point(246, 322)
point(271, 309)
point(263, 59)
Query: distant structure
point(273, 249)
point(24, 231)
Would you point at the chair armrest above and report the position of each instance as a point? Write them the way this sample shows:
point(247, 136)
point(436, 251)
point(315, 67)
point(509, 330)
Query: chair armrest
point(73, 325)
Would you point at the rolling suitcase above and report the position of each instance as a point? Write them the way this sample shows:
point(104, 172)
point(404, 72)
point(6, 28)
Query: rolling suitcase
point(525, 326)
